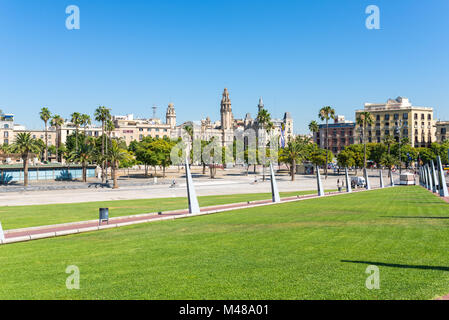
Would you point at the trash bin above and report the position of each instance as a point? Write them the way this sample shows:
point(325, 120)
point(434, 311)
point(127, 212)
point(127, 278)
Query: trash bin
point(104, 215)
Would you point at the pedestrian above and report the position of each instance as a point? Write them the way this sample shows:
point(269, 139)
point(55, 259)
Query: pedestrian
point(338, 185)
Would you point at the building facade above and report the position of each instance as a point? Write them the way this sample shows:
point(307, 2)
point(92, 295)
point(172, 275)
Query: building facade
point(442, 131)
point(400, 119)
point(341, 135)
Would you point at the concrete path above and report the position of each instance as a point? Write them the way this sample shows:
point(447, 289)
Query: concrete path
point(204, 187)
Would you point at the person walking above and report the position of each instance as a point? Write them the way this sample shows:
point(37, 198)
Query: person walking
point(338, 185)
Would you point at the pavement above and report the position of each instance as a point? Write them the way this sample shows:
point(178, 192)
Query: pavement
point(203, 187)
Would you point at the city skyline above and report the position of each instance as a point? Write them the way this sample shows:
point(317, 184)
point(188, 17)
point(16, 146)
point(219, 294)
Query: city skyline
point(130, 57)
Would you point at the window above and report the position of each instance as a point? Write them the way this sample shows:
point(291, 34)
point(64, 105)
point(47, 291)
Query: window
point(396, 116)
point(378, 118)
point(140, 129)
point(6, 141)
point(429, 117)
point(416, 116)
point(422, 116)
point(405, 132)
point(5, 135)
point(405, 116)
point(387, 117)
point(6, 126)
point(387, 132)
point(443, 130)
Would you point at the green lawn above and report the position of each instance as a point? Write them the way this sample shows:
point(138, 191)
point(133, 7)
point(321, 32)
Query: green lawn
point(313, 249)
point(31, 216)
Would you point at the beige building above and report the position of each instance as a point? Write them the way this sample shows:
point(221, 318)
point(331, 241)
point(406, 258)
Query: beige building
point(442, 131)
point(400, 119)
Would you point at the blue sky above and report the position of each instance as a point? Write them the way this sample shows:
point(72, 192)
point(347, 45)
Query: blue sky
point(299, 55)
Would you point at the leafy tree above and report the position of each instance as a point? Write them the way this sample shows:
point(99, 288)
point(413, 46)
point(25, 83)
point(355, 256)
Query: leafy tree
point(25, 145)
point(346, 158)
point(314, 127)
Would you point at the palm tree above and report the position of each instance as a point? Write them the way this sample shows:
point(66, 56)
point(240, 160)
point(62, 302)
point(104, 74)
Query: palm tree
point(25, 145)
point(115, 155)
point(102, 114)
point(189, 129)
point(314, 127)
point(85, 121)
point(326, 113)
point(388, 141)
point(57, 121)
point(364, 120)
point(45, 116)
point(83, 155)
point(76, 120)
point(264, 121)
point(294, 152)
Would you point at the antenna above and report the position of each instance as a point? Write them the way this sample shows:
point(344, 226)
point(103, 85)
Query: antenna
point(154, 111)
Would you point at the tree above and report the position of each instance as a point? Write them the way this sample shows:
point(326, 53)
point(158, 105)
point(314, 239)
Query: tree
point(45, 116)
point(57, 121)
point(84, 155)
point(389, 141)
point(364, 119)
point(102, 114)
point(25, 145)
point(346, 158)
point(314, 127)
point(76, 121)
point(85, 121)
point(115, 155)
point(326, 113)
point(295, 152)
point(264, 121)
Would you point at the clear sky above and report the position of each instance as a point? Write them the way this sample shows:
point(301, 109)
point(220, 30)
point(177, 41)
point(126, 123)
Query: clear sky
point(298, 55)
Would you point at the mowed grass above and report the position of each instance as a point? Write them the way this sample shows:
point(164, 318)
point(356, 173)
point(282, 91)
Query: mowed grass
point(312, 249)
point(40, 215)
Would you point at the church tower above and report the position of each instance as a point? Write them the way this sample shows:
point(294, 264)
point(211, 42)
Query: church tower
point(261, 106)
point(170, 116)
point(226, 111)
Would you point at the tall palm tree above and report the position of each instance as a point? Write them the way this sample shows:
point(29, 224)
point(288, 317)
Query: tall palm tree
point(389, 141)
point(25, 145)
point(314, 127)
point(190, 132)
point(102, 114)
point(76, 120)
point(264, 121)
point(85, 121)
point(326, 113)
point(45, 115)
point(364, 119)
point(115, 155)
point(57, 121)
point(83, 155)
point(295, 151)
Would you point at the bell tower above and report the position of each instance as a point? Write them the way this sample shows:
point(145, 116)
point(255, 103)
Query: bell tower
point(226, 111)
point(170, 116)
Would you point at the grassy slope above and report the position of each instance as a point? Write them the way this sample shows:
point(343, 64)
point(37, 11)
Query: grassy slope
point(31, 216)
point(287, 251)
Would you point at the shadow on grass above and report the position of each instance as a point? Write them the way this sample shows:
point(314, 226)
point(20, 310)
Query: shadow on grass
point(412, 217)
point(395, 265)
